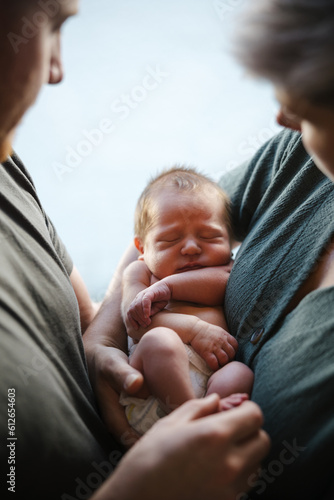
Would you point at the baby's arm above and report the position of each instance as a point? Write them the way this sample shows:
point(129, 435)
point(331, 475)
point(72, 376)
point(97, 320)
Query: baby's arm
point(204, 286)
point(211, 342)
point(136, 278)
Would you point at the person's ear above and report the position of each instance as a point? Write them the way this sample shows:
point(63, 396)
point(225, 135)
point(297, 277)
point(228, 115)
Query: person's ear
point(288, 121)
point(56, 72)
point(139, 244)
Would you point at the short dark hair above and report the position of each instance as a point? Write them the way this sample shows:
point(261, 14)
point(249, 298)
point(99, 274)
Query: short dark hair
point(291, 43)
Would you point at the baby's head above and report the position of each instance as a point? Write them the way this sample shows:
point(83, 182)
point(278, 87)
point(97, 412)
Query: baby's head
point(182, 222)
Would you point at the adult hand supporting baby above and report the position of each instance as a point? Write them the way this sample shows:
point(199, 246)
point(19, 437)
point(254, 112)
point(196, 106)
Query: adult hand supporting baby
point(196, 452)
point(105, 343)
point(110, 374)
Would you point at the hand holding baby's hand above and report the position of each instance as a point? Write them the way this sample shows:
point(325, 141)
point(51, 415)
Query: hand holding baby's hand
point(216, 346)
point(147, 303)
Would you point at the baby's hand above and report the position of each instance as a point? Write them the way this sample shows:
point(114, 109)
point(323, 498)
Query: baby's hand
point(147, 303)
point(216, 346)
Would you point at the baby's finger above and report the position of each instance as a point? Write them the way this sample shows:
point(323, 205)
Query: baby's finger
point(211, 360)
point(132, 322)
point(222, 357)
point(146, 308)
point(157, 307)
point(229, 350)
point(137, 314)
point(232, 342)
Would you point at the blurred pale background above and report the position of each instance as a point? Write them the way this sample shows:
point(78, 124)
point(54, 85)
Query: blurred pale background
point(148, 84)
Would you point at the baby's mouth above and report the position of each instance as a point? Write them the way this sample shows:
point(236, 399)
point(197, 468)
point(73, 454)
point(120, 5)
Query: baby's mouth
point(189, 267)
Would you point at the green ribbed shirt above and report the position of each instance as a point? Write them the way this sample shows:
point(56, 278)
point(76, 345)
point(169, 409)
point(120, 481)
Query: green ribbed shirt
point(283, 212)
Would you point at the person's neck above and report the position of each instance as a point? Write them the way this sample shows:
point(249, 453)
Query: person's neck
point(5, 148)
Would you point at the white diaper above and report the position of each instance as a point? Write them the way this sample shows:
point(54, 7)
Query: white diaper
point(143, 413)
point(199, 372)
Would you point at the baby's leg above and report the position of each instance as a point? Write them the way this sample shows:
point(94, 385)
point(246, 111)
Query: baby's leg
point(161, 357)
point(234, 382)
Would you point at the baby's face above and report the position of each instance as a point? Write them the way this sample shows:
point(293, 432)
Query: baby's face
point(188, 232)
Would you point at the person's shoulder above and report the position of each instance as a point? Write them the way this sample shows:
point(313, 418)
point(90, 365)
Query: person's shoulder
point(288, 141)
point(15, 161)
point(287, 136)
point(290, 153)
point(16, 169)
point(286, 149)
point(281, 145)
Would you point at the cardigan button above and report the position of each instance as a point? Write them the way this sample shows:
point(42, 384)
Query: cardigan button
point(257, 335)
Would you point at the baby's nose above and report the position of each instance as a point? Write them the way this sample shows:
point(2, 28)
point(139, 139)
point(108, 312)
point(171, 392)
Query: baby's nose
point(191, 247)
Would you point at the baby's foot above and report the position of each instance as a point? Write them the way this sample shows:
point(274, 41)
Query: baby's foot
point(233, 401)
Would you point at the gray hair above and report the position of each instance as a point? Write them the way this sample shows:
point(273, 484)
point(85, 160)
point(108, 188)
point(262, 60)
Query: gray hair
point(290, 43)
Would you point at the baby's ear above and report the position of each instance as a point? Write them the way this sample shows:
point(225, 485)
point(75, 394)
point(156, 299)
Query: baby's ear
point(139, 244)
